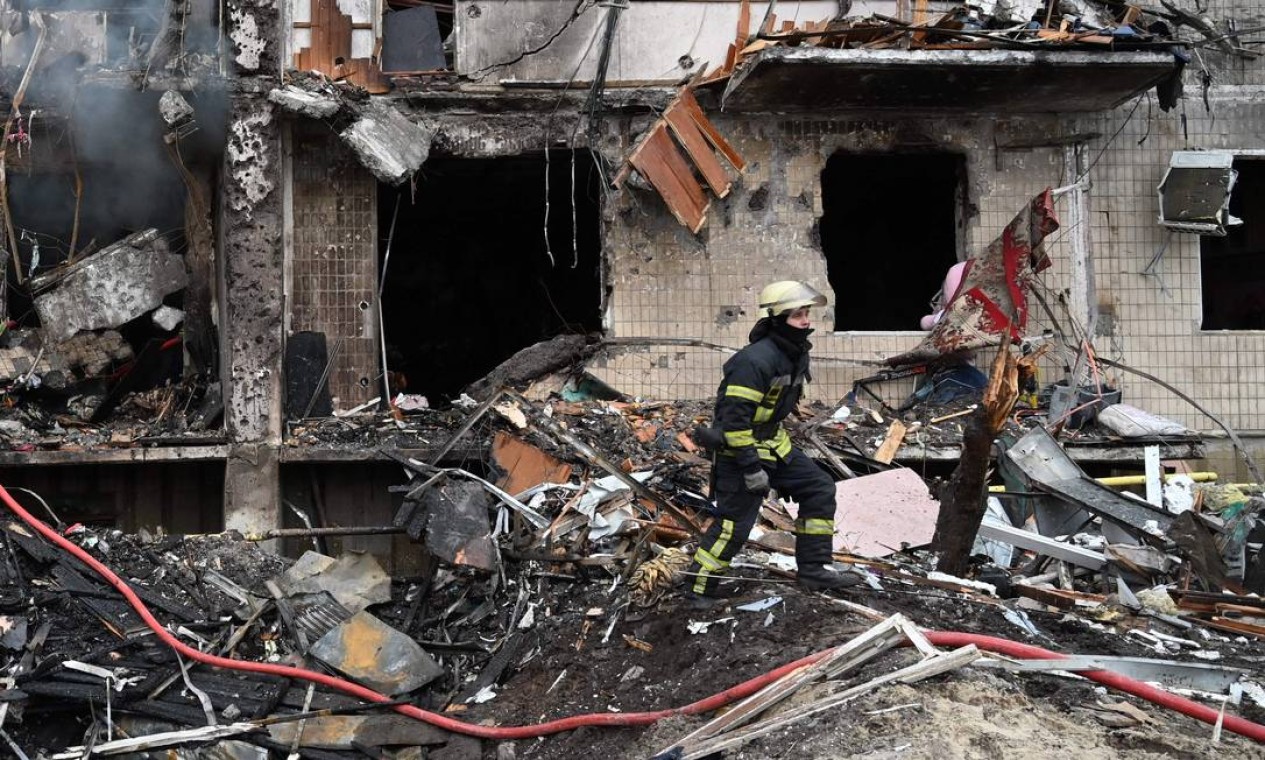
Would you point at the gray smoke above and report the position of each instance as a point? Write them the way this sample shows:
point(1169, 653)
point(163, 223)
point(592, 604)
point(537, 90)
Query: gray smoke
point(94, 99)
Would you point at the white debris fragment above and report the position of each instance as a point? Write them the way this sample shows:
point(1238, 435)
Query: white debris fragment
point(782, 562)
point(557, 681)
point(167, 318)
point(978, 585)
point(1179, 494)
point(486, 694)
point(410, 402)
point(1089, 541)
point(1020, 619)
point(529, 617)
point(1252, 690)
point(700, 626)
point(761, 605)
point(512, 413)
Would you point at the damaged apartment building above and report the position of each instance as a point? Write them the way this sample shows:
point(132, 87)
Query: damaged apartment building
point(224, 219)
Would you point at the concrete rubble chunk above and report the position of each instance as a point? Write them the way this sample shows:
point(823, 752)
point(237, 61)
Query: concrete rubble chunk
point(174, 109)
point(109, 288)
point(303, 102)
point(388, 144)
point(385, 141)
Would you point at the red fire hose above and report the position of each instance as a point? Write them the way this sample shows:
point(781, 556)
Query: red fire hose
point(506, 733)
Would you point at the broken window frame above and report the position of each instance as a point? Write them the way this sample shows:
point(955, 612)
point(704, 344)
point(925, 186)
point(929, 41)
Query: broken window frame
point(961, 214)
point(1255, 155)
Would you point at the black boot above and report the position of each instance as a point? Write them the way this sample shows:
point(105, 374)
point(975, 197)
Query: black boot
point(813, 555)
point(826, 578)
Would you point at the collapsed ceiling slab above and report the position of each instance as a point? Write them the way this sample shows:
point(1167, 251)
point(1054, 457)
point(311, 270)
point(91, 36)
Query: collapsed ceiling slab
point(109, 288)
point(385, 141)
point(790, 80)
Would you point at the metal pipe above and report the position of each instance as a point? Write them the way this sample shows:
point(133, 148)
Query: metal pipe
point(361, 530)
point(1138, 480)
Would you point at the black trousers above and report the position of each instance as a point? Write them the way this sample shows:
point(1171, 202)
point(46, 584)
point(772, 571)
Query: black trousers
point(797, 478)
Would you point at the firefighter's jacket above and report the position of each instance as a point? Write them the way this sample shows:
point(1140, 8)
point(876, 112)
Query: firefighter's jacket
point(761, 386)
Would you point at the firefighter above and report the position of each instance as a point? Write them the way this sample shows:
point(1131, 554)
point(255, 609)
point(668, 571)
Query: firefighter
point(762, 384)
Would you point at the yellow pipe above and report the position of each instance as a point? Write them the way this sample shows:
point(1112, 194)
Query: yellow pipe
point(1140, 480)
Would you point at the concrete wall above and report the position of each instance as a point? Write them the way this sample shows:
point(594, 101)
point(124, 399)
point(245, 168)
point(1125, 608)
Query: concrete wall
point(656, 40)
point(667, 283)
point(332, 272)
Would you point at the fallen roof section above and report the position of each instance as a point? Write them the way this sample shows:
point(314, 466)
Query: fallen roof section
point(788, 80)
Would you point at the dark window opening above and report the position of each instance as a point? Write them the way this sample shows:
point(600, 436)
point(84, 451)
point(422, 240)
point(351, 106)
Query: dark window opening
point(470, 280)
point(889, 235)
point(1232, 268)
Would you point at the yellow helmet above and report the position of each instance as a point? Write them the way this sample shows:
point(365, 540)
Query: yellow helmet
point(788, 295)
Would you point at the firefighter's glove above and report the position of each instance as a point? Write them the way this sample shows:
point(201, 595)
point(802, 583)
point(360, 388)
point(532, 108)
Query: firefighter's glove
point(756, 481)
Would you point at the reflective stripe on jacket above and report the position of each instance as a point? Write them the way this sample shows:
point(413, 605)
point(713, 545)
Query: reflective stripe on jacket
point(760, 388)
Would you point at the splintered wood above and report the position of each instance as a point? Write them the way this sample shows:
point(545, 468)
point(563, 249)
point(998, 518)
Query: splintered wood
point(891, 444)
point(329, 51)
point(669, 165)
point(755, 716)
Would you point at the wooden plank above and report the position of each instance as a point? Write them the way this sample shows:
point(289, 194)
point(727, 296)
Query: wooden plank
point(842, 659)
point(339, 40)
point(1235, 626)
point(698, 149)
point(317, 53)
point(919, 671)
point(744, 24)
point(660, 163)
point(895, 436)
point(684, 173)
point(691, 106)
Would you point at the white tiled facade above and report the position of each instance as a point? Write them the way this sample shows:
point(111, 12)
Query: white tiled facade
point(668, 283)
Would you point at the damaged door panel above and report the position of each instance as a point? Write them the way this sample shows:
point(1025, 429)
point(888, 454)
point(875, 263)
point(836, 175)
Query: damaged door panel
point(339, 38)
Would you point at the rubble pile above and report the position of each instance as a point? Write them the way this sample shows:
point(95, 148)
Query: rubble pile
point(550, 589)
point(1004, 25)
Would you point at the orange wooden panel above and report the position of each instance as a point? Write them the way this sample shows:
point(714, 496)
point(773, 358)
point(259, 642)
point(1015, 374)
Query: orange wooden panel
point(525, 465)
point(665, 168)
point(698, 149)
point(339, 36)
point(690, 105)
point(744, 24)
